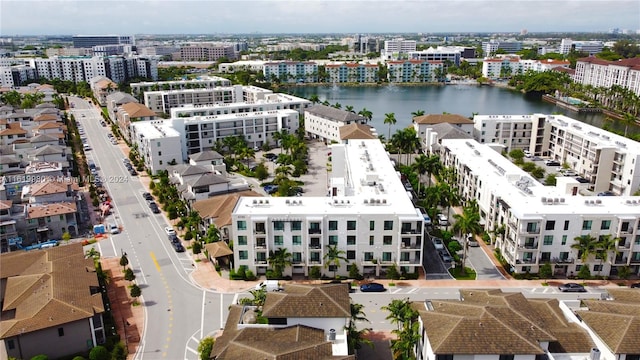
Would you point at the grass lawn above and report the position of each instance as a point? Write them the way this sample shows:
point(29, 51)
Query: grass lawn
point(469, 274)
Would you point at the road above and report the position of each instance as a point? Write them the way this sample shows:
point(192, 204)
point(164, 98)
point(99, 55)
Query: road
point(177, 312)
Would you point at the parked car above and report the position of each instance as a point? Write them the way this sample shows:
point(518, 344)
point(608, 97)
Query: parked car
point(147, 196)
point(270, 156)
point(572, 287)
point(527, 154)
point(635, 286)
point(372, 287)
point(133, 172)
point(445, 257)
point(174, 238)
point(471, 241)
point(169, 230)
point(438, 243)
point(177, 246)
point(427, 220)
point(154, 208)
point(551, 163)
point(606, 193)
point(443, 220)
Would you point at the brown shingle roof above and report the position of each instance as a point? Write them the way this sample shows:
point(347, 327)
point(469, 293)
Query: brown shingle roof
point(45, 117)
point(52, 187)
point(137, 110)
point(220, 207)
point(218, 249)
point(442, 118)
point(308, 301)
point(13, 129)
point(35, 211)
point(356, 131)
point(40, 292)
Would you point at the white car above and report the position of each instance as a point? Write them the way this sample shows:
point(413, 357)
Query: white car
point(442, 220)
point(169, 230)
point(438, 243)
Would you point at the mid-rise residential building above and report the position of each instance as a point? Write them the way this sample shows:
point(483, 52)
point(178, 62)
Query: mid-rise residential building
point(251, 65)
point(602, 73)
point(17, 75)
point(589, 47)
point(608, 161)
point(508, 65)
point(162, 101)
point(397, 48)
point(200, 82)
point(159, 144)
point(541, 223)
point(79, 69)
point(402, 71)
point(352, 73)
point(291, 71)
point(89, 41)
point(510, 47)
point(207, 51)
point(58, 301)
point(451, 54)
point(111, 50)
point(129, 113)
point(368, 215)
point(324, 122)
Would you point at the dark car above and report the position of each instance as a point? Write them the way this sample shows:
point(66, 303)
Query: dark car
point(178, 247)
point(270, 156)
point(154, 207)
point(174, 238)
point(133, 172)
point(635, 286)
point(572, 287)
point(147, 196)
point(372, 287)
point(552, 163)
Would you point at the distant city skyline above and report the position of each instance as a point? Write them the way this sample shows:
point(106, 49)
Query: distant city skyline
point(91, 17)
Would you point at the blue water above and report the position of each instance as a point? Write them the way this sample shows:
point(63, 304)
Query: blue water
point(455, 99)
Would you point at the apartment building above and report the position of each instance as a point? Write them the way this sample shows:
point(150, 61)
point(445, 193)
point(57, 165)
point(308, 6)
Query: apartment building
point(200, 82)
point(397, 48)
point(17, 75)
point(509, 47)
point(444, 54)
point(610, 162)
point(162, 101)
point(413, 71)
point(602, 73)
point(82, 68)
point(158, 142)
point(542, 222)
point(89, 41)
point(251, 65)
point(589, 47)
point(368, 215)
point(352, 73)
point(324, 122)
point(508, 65)
point(291, 71)
point(207, 51)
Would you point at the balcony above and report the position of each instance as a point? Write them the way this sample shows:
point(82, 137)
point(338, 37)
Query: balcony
point(414, 261)
point(261, 245)
point(529, 246)
point(315, 231)
point(562, 260)
point(526, 261)
point(407, 245)
point(314, 245)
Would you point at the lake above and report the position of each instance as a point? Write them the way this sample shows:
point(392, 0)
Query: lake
point(455, 99)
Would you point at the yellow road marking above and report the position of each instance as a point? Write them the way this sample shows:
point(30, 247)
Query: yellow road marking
point(155, 261)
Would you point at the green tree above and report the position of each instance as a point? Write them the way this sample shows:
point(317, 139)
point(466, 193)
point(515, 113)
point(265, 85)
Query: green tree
point(606, 246)
point(129, 275)
point(390, 119)
point(516, 154)
point(315, 272)
point(538, 172)
point(258, 297)
point(624, 272)
point(355, 336)
point(468, 222)
point(99, 353)
point(417, 113)
point(546, 271)
point(586, 246)
point(334, 256)
point(40, 357)
point(124, 261)
point(196, 248)
point(550, 180)
point(261, 171)
point(205, 346)
point(421, 166)
point(66, 236)
point(392, 272)
point(584, 272)
point(354, 272)
point(135, 291)
point(119, 352)
point(366, 113)
point(279, 260)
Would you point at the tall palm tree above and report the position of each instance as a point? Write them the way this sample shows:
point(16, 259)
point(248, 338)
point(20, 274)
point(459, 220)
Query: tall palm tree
point(433, 166)
point(467, 223)
point(628, 119)
point(606, 245)
point(279, 136)
point(390, 119)
point(334, 256)
point(337, 105)
point(314, 99)
point(586, 246)
point(450, 197)
point(420, 165)
point(417, 113)
point(366, 113)
point(356, 337)
point(279, 260)
point(399, 311)
point(349, 108)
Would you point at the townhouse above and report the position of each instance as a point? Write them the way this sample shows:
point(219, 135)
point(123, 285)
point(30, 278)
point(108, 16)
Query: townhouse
point(367, 214)
point(602, 73)
point(414, 71)
point(291, 71)
point(541, 223)
point(608, 161)
point(324, 122)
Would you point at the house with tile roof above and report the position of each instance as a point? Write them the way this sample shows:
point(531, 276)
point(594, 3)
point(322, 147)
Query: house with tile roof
point(132, 112)
point(49, 296)
point(195, 182)
point(209, 158)
point(44, 192)
point(217, 210)
point(324, 122)
point(491, 324)
point(49, 221)
point(303, 322)
point(101, 87)
point(11, 132)
point(424, 122)
point(357, 131)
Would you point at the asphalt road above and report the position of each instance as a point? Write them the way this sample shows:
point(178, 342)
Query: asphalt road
point(177, 313)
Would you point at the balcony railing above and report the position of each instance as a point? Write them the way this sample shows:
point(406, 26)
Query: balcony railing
point(314, 246)
point(315, 231)
point(259, 231)
point(409, 246)
point(562, 261)
point(260, 262)
point(410, 231)
point(410, 261)
point(261, 245)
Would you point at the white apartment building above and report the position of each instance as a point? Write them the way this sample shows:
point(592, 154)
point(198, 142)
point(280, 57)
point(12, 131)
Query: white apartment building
point(508, 65)
point(402, 71)
point(368, 215)
point(137, 89)
point(199, 133)
point(78, 69)
point(397, 48)
point(589, 47)
point(324, 122)
point(352, 72)
point(542, 222)
point(510, 47)
point(267, 102)
point(252, 65)
point(603, 73)
point(163, 100)
point(291, 71)
point(158, 143)
point(207, 51)
point(610, 162)
point(452, 54)
point(17, 75)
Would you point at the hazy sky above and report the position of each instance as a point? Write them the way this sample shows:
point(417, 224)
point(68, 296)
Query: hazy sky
point(52, 17)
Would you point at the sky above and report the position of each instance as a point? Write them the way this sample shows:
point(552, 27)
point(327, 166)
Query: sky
point(124, 17)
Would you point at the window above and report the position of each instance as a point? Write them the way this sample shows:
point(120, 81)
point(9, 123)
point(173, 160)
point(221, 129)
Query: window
point(386, 256)
point(624, 227)
point(564, 255)
point(506, 357)
point(333, 239)
point(532, 227)
point(60, 331)
point(446, 356)
point(371, 240)
point(11, 344)
point(550, 225)
point(296, 257)
point(548, 240)
point(296, 225)
point(333, 225)
point(597, 267)
point(605, 225)
point(387, 240)
point(586, 224)
point(637, 239)
point(242, 225)
point(243, 254)
point(351, 254)
point(368, 256)
point(278, 240)
point(351, 240)
point(242, 240)
point(372, 225)
point(159, 153)
point(278, 225)
point(62, 218)
point(545, 257)
point(388, 224)
point(566, 224)
point(315, 257)
point(296, 239)
point(351, 225)
point(564, 240)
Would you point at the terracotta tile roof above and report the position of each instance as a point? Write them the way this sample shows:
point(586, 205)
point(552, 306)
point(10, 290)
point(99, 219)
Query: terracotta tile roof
point(220, 207)
point(137, 110)
point(35, 211)
point(5, 204)
point(308, 301)
point(46, 117)
point(103, 84)
point(52, 187)
point(40, 293)
point(13, 129)
point(357, 131)
point(50, 125)
point(218, 249)
point(442, 118)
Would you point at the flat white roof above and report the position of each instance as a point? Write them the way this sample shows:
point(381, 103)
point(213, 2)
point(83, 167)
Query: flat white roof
point(525, 195)
point(155, 129)
point(204, 78)
point(373, 188)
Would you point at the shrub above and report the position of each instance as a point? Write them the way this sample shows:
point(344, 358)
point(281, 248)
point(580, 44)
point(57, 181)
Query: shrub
point(249, 275)
point(119, 352)
point(40, 357)
point(584, 273)
point(197, 247)
point(99, 353)
point(315, 272)
point(129, 275)
point(354, 272)
point(205, 346)
point(242, 272)
point(392, 273)
point(546, 271)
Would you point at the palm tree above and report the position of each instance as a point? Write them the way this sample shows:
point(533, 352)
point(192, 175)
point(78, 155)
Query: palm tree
point(450, 197)
point(420, 165)
point(586, 246)
point(355, 337)
point(278, 136)
point(404, 316)
point(467, 223)
point(314, 99)
point(628, 119)
point(366, 113)
point(417, 113)
point(279, 260)
point(349, 108)
point(606, 244)
point(337, 105)
point(333, 257)
point(390, 119)
point(433, 166)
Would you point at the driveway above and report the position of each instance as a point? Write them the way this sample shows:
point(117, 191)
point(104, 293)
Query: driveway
point(434, 268)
